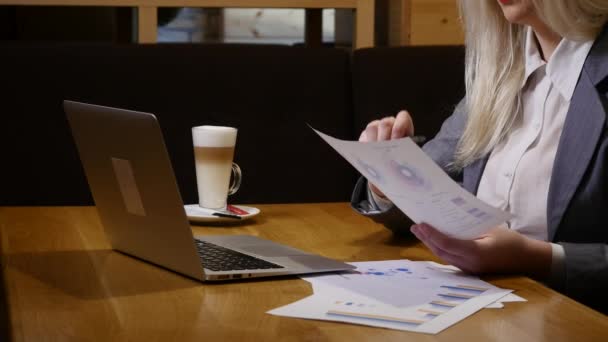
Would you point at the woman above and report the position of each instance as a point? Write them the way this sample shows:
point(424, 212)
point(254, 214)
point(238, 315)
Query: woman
point(529, 138)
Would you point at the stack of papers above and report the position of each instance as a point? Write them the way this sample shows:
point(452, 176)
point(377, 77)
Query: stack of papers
point(417, 296)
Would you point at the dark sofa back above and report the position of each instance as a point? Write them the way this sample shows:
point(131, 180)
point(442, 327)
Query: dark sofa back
point(268, 92)
point(428, 81)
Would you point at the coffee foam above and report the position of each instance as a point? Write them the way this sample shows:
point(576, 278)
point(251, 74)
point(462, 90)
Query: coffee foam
point(214, 136)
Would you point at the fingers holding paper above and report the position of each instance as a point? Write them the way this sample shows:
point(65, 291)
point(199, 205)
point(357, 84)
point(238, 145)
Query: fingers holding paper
point(388, 128)
point(501, 250)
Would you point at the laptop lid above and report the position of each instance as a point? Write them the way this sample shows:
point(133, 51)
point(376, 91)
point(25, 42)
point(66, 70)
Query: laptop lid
point(133, 185)
point(134, 188)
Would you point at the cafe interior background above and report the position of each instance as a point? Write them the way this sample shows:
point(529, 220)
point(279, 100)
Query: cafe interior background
point(398, 22)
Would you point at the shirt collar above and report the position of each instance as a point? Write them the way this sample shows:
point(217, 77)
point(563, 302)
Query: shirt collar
point(565, 65)
point(532, 56)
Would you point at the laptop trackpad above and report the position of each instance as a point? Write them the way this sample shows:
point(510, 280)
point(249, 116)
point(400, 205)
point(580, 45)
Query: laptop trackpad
point(268, 250)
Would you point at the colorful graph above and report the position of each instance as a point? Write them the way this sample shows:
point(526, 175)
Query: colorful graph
point(412, 316)
point(354, 304)
point(431, 312)
point(391, 294)
point(370, 172)
point(476, 212)
point(444, 304)
point(459, 294)
point(470, 288)
point(409, 176)
point(459, 201)
point(389, 272)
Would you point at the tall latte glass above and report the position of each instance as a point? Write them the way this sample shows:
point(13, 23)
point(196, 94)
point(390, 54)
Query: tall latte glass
point(213, 154)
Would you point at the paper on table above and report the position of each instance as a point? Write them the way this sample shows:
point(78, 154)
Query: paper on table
point(433, 304)
point(399, 283)
point(499, 304)
point(511, 297)
point(417, 186)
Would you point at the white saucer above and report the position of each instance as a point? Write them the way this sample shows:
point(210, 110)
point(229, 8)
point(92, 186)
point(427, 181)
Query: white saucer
point(197, 214)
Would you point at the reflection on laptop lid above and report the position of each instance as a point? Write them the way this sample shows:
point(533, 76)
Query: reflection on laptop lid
point(130, 175)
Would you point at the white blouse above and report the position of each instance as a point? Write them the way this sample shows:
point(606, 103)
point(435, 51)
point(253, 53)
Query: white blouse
point(518, 172)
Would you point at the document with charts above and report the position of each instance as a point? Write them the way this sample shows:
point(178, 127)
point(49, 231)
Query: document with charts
point(419, 187)
point(407, 295)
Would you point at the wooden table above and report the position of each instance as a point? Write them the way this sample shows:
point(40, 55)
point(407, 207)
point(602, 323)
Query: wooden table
point(147, 11)
point(63, 283)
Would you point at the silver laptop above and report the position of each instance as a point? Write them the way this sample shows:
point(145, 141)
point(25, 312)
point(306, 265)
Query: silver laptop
point(130, 175)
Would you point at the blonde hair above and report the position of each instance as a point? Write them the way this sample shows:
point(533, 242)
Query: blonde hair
point(494, 65)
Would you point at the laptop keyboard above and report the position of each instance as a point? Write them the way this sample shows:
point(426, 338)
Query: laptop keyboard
point(218, 258)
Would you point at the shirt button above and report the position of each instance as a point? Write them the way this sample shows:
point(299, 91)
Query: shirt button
point(508, 174)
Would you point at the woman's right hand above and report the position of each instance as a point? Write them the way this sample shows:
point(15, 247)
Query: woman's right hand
point(388, 128)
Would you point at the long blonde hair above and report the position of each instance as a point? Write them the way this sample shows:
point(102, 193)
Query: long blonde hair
point(494, 66)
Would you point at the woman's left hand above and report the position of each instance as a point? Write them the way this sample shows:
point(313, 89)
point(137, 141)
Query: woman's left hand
point(501, 250)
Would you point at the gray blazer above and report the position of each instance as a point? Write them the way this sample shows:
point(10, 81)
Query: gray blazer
point(577, 205)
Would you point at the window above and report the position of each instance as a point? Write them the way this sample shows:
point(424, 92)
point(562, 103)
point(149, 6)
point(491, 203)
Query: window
point(233, 25)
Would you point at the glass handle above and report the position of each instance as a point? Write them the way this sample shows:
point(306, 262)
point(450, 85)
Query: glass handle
point(236, 179)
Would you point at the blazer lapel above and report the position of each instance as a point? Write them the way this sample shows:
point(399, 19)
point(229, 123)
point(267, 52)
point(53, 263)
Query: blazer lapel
point(582, 129)
point(472, 174)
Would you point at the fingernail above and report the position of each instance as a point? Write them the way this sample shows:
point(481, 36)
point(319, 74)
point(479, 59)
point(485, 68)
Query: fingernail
point(421, 229)
point(415, 229)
